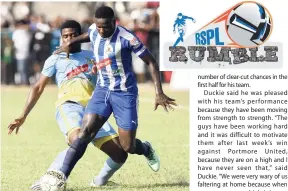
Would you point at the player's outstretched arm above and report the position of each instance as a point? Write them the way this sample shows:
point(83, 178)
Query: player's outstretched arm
point(190, 18)
point(65, 47)
point(33, 97)
point(161, 98)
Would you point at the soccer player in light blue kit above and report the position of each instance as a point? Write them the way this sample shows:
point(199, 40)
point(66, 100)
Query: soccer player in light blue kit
point(116, 88)
point(76, 84)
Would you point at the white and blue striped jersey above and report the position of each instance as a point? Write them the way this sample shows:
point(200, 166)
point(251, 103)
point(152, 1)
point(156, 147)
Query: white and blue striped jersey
point(113, 58)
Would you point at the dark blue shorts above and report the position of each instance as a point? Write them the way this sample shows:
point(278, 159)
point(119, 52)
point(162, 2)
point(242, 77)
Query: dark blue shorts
point(124, 106)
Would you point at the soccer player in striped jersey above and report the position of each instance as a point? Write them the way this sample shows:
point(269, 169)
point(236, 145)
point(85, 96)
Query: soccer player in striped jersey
point(76, 84)
point(116, 88)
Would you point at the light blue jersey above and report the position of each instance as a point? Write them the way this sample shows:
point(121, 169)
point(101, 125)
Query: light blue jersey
point(72, 76)
point(113, 57)
point(77, 66)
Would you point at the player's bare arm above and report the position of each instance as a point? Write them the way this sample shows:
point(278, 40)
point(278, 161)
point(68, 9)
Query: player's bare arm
point(161, 98)
point(33, 97)
point(65, 47)
point(190, 18)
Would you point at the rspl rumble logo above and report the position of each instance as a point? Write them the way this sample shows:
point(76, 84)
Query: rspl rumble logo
point(236, 37)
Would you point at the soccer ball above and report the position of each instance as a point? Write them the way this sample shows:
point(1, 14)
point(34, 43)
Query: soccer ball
point(53, 181)
point(249, 24)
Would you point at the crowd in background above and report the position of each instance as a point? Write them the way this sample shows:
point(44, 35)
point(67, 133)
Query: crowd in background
point(28, 38)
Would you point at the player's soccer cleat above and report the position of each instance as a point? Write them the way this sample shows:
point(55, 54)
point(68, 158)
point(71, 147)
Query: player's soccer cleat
point(36, 185)
point(94, 184)
point(152, 158)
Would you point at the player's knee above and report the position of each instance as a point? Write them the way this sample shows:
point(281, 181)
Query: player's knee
point(72, 135)
point(87, 131)
point(129, 148)
point(91, 125)
point(87, 135)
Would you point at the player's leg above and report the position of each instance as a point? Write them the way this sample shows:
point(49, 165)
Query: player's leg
point(114, 150)
point(125, 109)
point(90, 126)
point(97, 111)
point(117, 157)
point(177, 41)
point(68, 116)
point(181, 36)
point(65, 161)
point(106, 140)
point(132, 145)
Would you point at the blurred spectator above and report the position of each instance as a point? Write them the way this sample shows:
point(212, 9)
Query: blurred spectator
point(140, 28)
point(7, 17)
point(56, 33)
point(40, 46)
point(21, 38)
point(144, 22)
point(6, 59)
point(5, 23)
point(153, 4)
point(20, 10)
point(33, 23)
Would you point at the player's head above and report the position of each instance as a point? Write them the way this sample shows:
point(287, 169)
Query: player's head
point(179, 16)
point(69, 30)
point(105, 21)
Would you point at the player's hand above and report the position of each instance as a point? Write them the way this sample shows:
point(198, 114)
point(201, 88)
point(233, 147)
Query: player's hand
point(16, 124)
point(165, 102)
point(93, 70)
point(65, 47)
point(174, 31)
point(194, 21)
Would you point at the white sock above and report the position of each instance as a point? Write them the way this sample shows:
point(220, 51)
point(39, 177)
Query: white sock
point(58, 162)
point(110, 167)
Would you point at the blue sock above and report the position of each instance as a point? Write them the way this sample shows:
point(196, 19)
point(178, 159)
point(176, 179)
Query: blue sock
point(74, 153)
point(141, 148)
